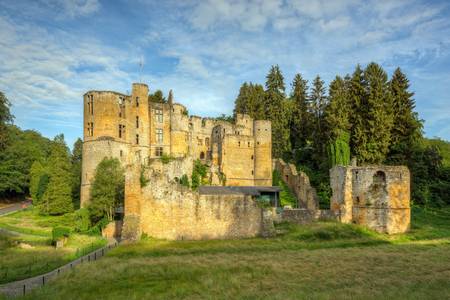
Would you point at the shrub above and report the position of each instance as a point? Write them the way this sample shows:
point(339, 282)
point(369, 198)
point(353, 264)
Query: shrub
point(184, 181)
point(199, 172)
point(82, 220)
point(60, 232)
point(165, 158)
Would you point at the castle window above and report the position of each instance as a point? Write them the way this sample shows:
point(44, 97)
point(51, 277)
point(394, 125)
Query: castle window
point(202, 155)
point(137, 121)
point(159, 115)
point(252, 172)
point(158, 151)
point(137, 139)
point(90, 129)
point(239, 144)
point(91, 104)
point(252, 157)
point(249, 144)
point(137, 101)
point(207, 142)
point(120, 131)
point(121, 153)
point(199, 141)
point(159, 135)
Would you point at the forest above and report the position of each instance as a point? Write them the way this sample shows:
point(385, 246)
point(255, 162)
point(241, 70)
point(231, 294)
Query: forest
point(366, 115)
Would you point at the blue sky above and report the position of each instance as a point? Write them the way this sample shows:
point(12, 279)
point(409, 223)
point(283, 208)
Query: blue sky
point(52, 51)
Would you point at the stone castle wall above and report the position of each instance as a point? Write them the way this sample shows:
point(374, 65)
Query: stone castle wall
point(241, 151)
point(170, 211)
point(374, 196)
point(298, 183)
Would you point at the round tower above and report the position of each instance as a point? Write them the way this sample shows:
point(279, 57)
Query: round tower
point(262, 131)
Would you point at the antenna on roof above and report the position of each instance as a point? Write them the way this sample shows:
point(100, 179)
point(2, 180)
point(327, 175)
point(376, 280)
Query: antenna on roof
point(141, 66)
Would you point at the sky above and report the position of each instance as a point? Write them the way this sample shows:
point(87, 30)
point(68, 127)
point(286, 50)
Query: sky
point(53, 51)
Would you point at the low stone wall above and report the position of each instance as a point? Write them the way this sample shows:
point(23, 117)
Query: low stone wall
point(304, 216)
point(298, 183)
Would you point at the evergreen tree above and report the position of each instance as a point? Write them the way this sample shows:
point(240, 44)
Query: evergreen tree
point(407, 127)
point(58, 195)
point(337, 113)
point(376, 116)
point(107, 191)
point(37, 172)
point(157, 97)
point(358, 100)
point(250, 100)
point(276, 111)
point(76, 171)
point(318, 101)
point(5, 118)
point(300, 124)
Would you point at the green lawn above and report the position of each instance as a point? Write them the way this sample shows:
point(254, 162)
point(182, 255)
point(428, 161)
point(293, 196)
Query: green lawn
point(26, 250)
point(319, 261)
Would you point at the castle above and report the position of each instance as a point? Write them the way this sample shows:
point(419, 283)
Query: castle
point(118, 125)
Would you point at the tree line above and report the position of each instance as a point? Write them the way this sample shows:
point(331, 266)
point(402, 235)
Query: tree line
point(364, 115)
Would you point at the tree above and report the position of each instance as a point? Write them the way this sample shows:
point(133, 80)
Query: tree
point(275, 106)
point(250, 101)
point(5, 118)
point(38, 182)
point(337, 112)
point(300, 124)
point(376, 116)
point(407, 128)
point(157, 97)
point(57, 198)
point(107, 191)
point(318, 101)
point(21, 151)
point(77, 154)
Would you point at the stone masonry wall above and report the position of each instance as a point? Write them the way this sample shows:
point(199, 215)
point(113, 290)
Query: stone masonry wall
point(299, 184)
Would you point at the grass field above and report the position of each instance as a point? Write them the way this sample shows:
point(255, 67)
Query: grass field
point(319, 261)
point(25, 245)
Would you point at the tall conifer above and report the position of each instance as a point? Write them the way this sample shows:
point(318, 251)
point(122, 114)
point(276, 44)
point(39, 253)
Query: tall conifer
point(318, 100)
point(300, 115)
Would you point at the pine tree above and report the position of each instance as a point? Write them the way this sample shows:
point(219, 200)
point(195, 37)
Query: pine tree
point(5, 118)
point(250, 101)
point(276, 111)
point(376, 116)
point(358, 100)
point(77, 154)
point(318, 102)
point(107, 191)
point(300, 117)
point(37, 172)
point(57, 198)
point(407, 127)
point(337, 113)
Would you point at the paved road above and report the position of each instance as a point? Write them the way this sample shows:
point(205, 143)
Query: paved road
point(15, 207)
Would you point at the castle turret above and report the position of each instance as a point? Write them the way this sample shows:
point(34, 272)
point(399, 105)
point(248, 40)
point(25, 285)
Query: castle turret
point(263, 152)
point(138, 120)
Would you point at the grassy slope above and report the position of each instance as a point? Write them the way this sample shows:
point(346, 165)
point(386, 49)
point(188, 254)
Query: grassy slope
point(39, 256)
point(323, 260)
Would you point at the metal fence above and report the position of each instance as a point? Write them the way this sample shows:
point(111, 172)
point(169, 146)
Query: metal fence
point(21, 287)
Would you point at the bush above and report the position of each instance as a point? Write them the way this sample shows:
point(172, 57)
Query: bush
point(199, 173)
point(82, 220)
point(165, 158)
point(60, 232)
point(184, 181)
point(97, 228)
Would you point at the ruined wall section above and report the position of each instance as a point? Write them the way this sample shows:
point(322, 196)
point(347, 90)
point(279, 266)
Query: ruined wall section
point(298, 183)
point(179, 131)
point(238, 159)
point(374, 196)
point(170, 211)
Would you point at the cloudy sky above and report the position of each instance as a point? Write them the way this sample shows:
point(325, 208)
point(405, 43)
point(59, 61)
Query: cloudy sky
point(52, 51)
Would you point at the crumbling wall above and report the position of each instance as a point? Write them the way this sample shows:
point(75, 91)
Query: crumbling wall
point(374, 196)
point(304, 216)
point(168, 210)
point(299, 184)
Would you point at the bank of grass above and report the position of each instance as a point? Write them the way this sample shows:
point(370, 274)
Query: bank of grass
point(287, 197)
point(319, 261)
point(26, 245)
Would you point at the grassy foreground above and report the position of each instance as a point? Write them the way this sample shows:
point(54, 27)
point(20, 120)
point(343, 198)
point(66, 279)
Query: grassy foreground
point(25, 245)
point(319, 261)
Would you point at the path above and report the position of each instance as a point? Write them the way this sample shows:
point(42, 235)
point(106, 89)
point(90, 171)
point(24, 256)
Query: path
point(15, 207)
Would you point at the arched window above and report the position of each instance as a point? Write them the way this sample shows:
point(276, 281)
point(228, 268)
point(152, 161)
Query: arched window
point(202, 155)
point(379, 178)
